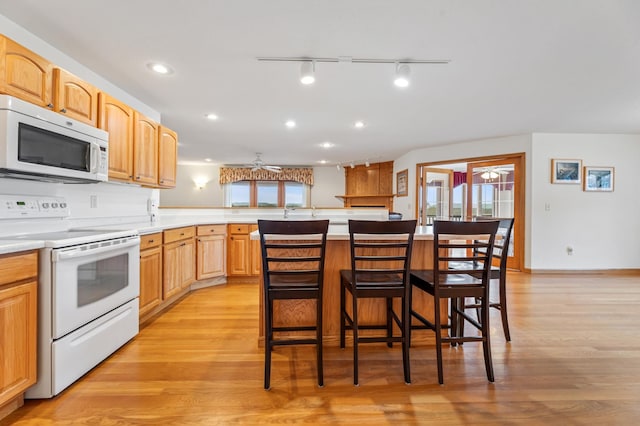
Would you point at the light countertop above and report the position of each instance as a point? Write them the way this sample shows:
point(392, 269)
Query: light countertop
point(13, 246)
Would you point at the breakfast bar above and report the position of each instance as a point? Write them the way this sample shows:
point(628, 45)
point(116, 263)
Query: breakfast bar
point(370, 311)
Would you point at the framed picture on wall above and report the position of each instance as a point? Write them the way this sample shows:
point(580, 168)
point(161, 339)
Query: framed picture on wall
point(401, 183)
point(598, 179)
point(566, 171)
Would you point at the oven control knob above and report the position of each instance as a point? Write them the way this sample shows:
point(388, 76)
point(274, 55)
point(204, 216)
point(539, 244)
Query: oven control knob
point(54, 205)
point(63, 205)
point(45, 205)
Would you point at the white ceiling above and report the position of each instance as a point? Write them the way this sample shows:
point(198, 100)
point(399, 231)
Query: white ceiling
point(516, 67)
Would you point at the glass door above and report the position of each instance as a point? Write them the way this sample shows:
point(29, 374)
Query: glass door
point(436, 194)
point(495, 193)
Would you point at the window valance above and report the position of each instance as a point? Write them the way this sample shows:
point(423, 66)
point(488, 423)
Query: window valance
point(297, 174)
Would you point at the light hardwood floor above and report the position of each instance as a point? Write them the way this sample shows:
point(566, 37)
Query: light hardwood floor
point(574, 359)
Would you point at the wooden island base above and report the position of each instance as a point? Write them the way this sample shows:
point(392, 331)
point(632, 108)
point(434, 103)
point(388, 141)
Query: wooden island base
point(370, 311)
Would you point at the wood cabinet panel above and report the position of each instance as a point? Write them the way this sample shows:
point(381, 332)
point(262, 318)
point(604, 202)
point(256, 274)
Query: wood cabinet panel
point(24, 74)
point(176, 234)
point(150, 279)
point(212, 256)
point(167, 157)
point(145, 150)
point(150, 240)
point(238, 255)
point(211, 230)
point(256, 253)
point(18, 267)
point(179, 262)
point(369, 186)
point(117, 118)
point(18, 316)
point(18, 306)
point(75, 97)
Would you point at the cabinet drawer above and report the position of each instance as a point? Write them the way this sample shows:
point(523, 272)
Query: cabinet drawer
point(150, 240)
point(177, 234)
point(18, 266)
point(212, 230)
point(238, 228)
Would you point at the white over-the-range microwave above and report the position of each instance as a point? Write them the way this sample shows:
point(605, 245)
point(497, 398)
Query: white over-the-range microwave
point(40, 144)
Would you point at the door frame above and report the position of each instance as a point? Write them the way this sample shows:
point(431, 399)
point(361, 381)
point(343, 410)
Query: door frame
point(518, 160)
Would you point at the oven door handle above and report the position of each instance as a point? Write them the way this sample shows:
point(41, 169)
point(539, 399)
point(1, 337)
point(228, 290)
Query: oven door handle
point(106, 246)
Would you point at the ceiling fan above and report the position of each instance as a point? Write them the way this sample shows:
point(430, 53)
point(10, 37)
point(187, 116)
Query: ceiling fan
point(258, 164)
point(494, 172)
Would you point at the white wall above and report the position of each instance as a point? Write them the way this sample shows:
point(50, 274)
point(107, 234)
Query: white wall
point(468, 149)
point(601, 227)
point(328, 182)
point(185, 194)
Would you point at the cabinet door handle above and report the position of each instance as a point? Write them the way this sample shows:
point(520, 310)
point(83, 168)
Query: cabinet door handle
point(50, 105)
point(150, 241)
point(63, 110)
point(183, 244)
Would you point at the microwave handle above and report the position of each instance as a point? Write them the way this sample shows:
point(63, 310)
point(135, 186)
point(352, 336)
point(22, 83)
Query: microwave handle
point(95, 155)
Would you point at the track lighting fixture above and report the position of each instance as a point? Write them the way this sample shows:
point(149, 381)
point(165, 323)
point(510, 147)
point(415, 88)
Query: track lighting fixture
point(402, 75)
point(307, 72)
point(353, 166)
point(308, 65)
point(366, 164)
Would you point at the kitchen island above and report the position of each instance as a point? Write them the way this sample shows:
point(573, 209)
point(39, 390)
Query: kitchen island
point(370, 311)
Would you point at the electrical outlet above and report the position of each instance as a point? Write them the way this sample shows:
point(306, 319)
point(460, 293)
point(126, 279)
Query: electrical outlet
point(570, 250)
point(93, 201)
point(547, 207)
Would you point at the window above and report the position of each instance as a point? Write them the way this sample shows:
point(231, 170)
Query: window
point(239, 194)
point(267, 193)
point(250, 193)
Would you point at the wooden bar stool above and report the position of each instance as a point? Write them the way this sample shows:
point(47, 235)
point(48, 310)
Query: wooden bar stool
point(293, 254)
point(380, 261)
point(458, 243)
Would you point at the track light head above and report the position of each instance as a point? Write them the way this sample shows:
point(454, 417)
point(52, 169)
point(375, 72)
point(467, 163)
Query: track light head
point(366, 163)
point(307, 72)
point(402, 75)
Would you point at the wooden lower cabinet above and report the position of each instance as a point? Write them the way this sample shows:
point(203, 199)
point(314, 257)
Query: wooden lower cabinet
point(256, 254)
point(243, 254)
point(18, 316)
point(211, 249)
point(179, 265)
point(150, 272)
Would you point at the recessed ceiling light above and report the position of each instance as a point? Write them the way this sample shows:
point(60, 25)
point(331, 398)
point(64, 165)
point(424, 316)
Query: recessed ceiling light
point(212, 116)
point(208, 160)
point(358, 124)
point(290, 124)
point(327, 145)
point(160, 68)
point(322, 161)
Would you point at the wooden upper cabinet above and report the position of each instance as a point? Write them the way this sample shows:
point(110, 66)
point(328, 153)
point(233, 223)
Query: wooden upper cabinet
point(145, 150)
point(385, 178)
point(117, 118)
point(74, 97)
point(168, 157)
point(24, 74)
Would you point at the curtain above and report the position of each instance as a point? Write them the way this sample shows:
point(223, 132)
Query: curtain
point(296, 174)
point(459, 178)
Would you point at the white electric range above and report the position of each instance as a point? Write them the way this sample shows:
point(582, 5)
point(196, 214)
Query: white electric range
point(88, 288)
